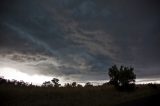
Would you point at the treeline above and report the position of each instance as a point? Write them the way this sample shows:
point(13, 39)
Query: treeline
point(14, 82)
point(53, 83)
point(122, 78)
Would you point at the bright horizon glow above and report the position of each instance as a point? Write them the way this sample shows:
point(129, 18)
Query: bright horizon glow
point(148, 80)
point(12, 73)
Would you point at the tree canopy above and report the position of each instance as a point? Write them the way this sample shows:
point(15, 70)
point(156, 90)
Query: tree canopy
point(122, 77)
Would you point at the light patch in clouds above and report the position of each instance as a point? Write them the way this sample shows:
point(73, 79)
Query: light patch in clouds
point(28, 63)
point(15, 74)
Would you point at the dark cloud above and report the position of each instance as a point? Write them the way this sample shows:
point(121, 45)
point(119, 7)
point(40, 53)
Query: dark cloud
point(80, 39)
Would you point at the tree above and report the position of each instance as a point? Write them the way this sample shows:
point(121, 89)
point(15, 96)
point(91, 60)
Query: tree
point(79, 86)
point(2, 80)
point(88, 84)
point(67, 85)
point(47, 84)
point(55, 81)
point(113, 74)
point(74, 84)
point(122, 77)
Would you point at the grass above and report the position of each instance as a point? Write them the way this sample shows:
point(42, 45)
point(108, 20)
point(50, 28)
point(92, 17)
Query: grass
point(11, 95)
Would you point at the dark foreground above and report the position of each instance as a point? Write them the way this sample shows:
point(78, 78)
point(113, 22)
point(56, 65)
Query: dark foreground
point(153, 100)
point(144, 95)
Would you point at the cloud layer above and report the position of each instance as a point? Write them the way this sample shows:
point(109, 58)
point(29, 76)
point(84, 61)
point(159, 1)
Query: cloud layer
point(80, 39)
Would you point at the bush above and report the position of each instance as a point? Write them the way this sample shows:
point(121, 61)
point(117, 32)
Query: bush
point(122, 78)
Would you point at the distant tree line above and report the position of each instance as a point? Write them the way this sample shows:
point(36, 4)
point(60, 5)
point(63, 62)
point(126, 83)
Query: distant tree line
point(122, 78)
point(53, 83)
point(14, 82)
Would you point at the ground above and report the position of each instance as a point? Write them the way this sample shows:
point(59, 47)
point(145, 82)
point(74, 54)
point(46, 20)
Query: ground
point(90, 96)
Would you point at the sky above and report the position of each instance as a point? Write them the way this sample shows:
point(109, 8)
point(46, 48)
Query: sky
point(78, 40)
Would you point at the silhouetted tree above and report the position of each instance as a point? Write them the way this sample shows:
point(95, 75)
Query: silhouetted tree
point(74, 84)
point(113, 74)
point(88, 84)
point(122, 77)
point(68, 85)
point(47, 84)
point(79, 86)
point(55, 82)
point(2, 80)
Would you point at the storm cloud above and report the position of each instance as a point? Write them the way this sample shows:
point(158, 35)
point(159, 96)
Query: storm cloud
point(80, 39)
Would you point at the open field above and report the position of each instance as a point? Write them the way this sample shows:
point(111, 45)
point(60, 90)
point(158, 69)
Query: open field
point(84, 96)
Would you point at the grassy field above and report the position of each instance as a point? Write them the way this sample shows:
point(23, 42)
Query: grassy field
point(11, 95)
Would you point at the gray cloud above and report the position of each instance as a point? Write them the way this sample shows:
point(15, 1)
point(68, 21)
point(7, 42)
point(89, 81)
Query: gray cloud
point(80, 39)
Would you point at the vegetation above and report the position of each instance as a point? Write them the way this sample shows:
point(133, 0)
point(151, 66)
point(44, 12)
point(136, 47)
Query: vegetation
point(122, 78)
point(51, 93)
point(53, 83)
point(14, 93)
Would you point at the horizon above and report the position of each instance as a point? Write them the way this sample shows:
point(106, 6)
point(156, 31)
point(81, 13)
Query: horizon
point(13, 74)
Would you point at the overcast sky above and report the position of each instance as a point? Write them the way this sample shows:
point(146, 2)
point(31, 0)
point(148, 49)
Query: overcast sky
point(80, 39)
